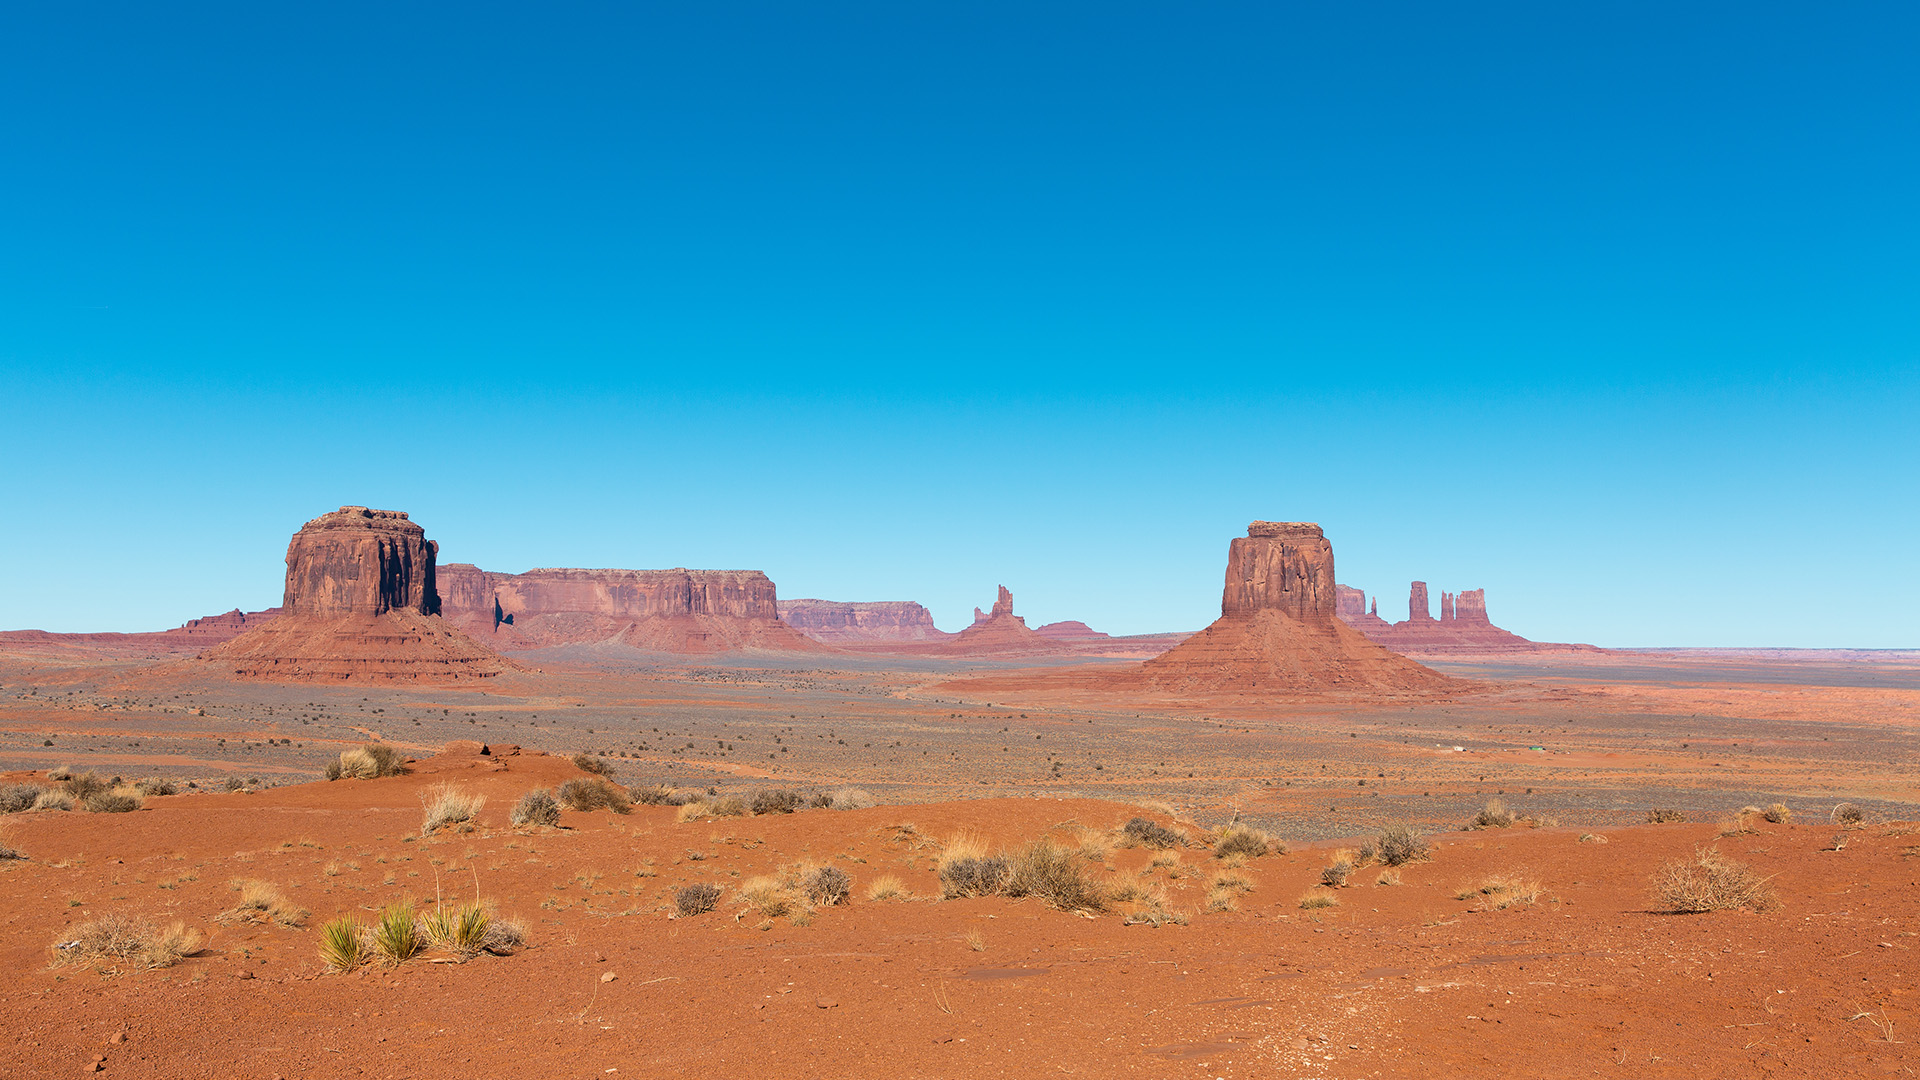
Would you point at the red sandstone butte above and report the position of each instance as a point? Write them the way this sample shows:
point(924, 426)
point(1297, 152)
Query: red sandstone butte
point(360, 603)
point(1278, 631)
point(677, 611)
point(834, 621)
point(1462, 628)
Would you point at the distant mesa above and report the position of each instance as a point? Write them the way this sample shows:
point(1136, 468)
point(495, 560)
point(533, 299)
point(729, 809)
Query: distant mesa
point(1462, 628)
point(1071, 630)
point(838, 621)
point(674, 611)
point(1000, 631)
point(360, 603)
point(1278, 631)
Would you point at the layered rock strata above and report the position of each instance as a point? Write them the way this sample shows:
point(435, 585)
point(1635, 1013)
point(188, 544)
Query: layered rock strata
point(360, 603)
point(1279, 630)
point(678, 610)
point(834, 621)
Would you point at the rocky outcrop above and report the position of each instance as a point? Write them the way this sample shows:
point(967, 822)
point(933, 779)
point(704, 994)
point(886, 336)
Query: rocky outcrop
point(357, 561)
point(835, 622)
point(1001, 632)
point(679, 610)
point(360, 604)
point(1462, 628)
point(1279, 631)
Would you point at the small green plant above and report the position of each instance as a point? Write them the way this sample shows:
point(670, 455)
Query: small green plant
point(461, 930)
point(343, 944)
point(396, 933)
point(536, 807)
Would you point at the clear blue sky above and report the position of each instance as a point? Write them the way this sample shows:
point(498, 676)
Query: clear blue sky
point(1614, 311)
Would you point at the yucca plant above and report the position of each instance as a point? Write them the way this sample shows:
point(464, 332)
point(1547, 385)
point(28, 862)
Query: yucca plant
point(343, 944)
point(396, 934)
point(461, 929)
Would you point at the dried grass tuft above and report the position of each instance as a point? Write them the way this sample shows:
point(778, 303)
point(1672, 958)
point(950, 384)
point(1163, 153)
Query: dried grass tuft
point(536, 807)
point(1239, 839)
point(1494, 815)
point(1711, 882)
point(446, 804)
point(588, 793)
point(129, 940)
point(888, 887)
point(369, 762)
point(262, 902)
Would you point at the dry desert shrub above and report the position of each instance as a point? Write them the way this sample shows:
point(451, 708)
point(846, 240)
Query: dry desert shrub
point(396, 936)
point(658, 795)
point(60, 772)
point(972, 875)
point(1147, 833)
point(1334, 874)
point(1741, 823)
point(369, 762)
point(343, 944)
point(1777, 813)
point(852, 798)
point(86, 785)
point(446, 804)
point(1238, 839)
point(9, 853)
point(503, 936)
point(1154, 909)
point(1221, 901)
point(155, 785)
point(110, 802)
point(888, 887)
point(263, 902)
point(1711, 882)
point(697, 899)
point(1400, 844)
point(126, 939)
point(713, 807)
point(1387, 877)
point(1494, 815)
point(536, 807)
point(768, 896)
point(1664, 815)
point(827, 885)
point(598, 766)
point(1095, 845)
point(1502, 891)
point(1848, 816)
point(17, 797)
point(776, 801)
point(53, 799)
point(592, 793)
point(1314, 899)
point(1054, 874)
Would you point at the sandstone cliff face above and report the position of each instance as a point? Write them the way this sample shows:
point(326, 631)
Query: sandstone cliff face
point(834, 621)
point(360, 603)
point(1418, 610)
point(1284, 566)
point(679, 610)
point(1279, 633)
point(357, 561)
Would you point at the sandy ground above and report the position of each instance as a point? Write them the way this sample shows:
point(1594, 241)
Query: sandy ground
point(1396, 980)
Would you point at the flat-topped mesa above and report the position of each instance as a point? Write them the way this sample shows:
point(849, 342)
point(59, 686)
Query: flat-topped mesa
point(853, 621)
point(1284, 566)
point(677, 610)
point(360, 604)
point(356, 561)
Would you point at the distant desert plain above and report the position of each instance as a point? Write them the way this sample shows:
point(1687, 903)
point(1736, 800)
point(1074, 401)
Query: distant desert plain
point(427, 820)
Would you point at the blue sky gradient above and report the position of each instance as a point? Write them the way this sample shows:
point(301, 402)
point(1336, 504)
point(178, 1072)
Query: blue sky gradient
point(1611, 313)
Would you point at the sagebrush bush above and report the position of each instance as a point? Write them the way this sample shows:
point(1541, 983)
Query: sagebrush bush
point(827, 886)
point(1777, 813)
point(110, 802)
point(1711, 882)
point(1664, 815)
point(85, 786)
point(658, 795)
point(369, 762)
point(1494, 815)
point(1847, 816)
point(445, 804)
point(593, 793)
point(598, 766)
point(1151, 834)
point(1240, 839)
point(53, 799)
point(1400, 844)
point(126, 939)
point(1335, 876)
point(17, 797)
point(849, 798)
point(969, 875)
point(503, 936)
point(536, 807)
point(1054, 874)
point(696, 899)
point(157, 786)
point(776, 801)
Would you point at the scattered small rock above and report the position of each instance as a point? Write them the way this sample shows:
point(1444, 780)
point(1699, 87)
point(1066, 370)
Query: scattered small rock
point(608, 977)
point(827, 1003)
